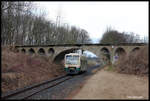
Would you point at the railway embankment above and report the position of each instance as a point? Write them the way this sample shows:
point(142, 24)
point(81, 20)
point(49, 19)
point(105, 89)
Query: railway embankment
point(20, 70)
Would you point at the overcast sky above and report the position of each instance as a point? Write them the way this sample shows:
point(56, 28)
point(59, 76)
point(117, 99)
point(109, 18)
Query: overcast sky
point(95, 17)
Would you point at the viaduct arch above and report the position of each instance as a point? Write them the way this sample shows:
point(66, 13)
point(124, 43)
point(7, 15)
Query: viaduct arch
point(57, 52)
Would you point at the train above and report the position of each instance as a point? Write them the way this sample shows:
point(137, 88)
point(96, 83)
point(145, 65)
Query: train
point(75, 63)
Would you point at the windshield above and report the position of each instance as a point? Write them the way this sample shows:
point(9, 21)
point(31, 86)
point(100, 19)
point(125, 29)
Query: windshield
point(72, 60)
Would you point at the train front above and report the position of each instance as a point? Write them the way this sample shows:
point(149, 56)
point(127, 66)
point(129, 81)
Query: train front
point(72, 63)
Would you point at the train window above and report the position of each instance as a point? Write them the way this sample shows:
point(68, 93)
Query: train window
point(72, 59)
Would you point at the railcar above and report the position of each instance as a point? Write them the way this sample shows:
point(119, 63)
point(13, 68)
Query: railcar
point(75, 63)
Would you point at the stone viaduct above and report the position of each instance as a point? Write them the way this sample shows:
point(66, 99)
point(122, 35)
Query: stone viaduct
point(57, 52)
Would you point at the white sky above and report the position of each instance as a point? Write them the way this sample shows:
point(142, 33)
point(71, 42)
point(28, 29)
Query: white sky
point(94, 17)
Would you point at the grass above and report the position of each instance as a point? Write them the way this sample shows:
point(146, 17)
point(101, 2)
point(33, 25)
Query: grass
point(110, 68)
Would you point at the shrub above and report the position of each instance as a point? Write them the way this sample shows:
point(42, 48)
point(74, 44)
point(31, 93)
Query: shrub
point(134, 63)
point(19, 70)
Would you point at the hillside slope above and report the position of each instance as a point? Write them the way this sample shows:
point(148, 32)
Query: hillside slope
point(19, 70)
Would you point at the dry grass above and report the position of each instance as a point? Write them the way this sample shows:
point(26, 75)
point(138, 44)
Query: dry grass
point(19, 70)
point(136, 63)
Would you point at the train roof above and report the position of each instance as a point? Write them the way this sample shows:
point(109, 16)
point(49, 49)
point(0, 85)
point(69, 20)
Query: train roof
point(73, 54)
point(82, 56)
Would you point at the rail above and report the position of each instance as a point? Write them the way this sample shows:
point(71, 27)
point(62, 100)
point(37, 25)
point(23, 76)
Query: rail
point(34, 89)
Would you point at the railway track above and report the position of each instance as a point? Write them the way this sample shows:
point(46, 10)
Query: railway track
point(34, 89)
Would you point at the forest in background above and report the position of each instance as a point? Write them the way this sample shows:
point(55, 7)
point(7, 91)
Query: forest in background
point(20, 26)
point(25, 24)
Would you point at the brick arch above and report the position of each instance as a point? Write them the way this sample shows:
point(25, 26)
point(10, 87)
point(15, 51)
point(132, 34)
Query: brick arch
point(105, 54)
point(135, 49)
point(51, 51)
point(31, 51)
point(41, 51)
point(105, 49)
point(120, 51)
point(60, 56)
point(92, 50)
point(23, 50)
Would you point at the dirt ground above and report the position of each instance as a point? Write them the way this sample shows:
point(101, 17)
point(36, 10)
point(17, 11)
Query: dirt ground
point(111, 85)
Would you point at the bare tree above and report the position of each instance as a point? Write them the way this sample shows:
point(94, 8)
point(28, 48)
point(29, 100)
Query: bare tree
point(20, 26)
point(112, 36)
